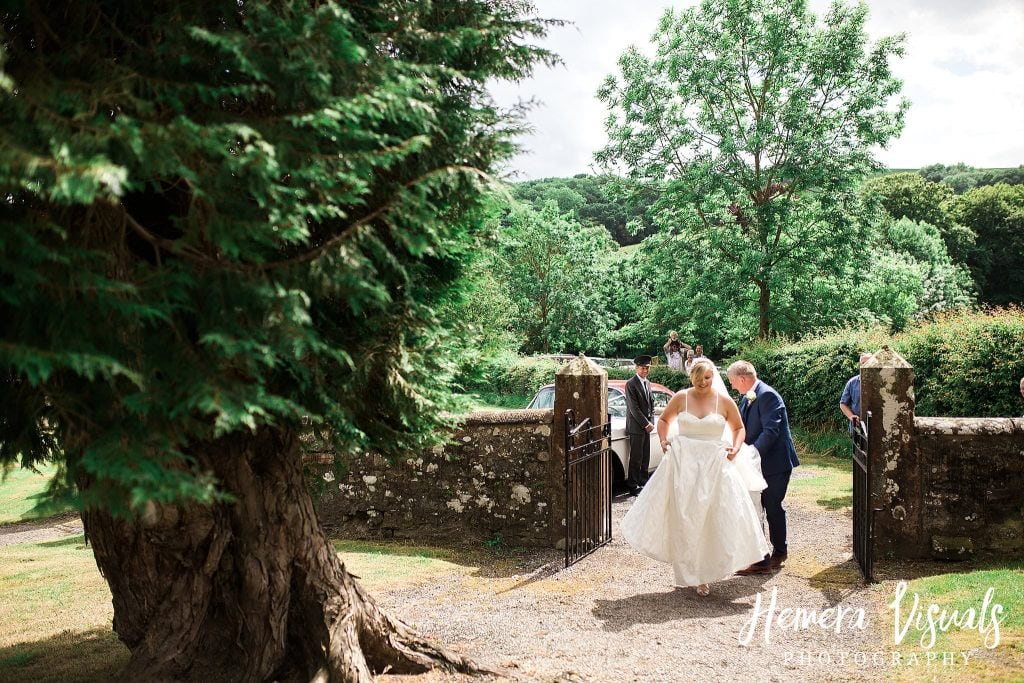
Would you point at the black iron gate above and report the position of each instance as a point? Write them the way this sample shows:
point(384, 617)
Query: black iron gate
point(863, 513)
point(588, 487)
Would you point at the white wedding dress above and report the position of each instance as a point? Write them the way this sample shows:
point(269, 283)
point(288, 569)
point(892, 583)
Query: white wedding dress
point(696, 512)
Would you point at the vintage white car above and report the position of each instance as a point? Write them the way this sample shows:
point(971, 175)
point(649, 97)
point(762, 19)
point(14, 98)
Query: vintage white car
point(545, 398)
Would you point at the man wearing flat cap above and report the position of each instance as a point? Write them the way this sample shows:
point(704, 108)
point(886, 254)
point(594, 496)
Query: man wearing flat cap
point(639, 424)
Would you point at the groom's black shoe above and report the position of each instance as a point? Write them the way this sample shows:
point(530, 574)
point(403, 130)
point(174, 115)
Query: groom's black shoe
point(778, 560)
point(634, 490)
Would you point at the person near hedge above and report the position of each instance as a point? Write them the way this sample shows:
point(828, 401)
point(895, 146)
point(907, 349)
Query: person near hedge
point(688, 365)
point(849, 402)
point(674, 350)
point(1022, 387)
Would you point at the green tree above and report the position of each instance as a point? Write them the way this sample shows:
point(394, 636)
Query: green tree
point(996, 214)
point(556, 272)
point(911, 275)
point(761, 122)
point(223, 221)
point(936, 173)
point(616, 203)
point(482, 315)
point(630, 298)
point(961, 177)
point(698, 288)
point(910, 195)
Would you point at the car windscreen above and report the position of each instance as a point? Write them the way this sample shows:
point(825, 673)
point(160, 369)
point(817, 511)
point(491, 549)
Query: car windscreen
point(544, 399)
point(660, 400)
point(616, 403)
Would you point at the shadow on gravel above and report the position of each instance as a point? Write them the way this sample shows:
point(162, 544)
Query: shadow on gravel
point(529, 565)
point(487, 562)
point(838, 582)
point(727, 598)
point(30, 524)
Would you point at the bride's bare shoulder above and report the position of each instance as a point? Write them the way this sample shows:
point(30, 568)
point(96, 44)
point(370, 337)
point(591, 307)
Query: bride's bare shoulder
point(675, 403)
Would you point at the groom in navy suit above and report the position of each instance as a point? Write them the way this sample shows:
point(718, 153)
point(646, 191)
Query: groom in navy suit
point(767, 424)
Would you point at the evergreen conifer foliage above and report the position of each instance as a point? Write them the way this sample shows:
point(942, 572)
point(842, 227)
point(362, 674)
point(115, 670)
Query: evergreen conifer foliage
point(221, 221)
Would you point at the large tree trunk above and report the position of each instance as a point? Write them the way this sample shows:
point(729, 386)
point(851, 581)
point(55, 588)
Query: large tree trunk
point(764, 319)
point(247, 591)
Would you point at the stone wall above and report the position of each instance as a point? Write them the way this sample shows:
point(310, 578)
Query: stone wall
point(942, 487)
point(494, 481)
point(973, 485)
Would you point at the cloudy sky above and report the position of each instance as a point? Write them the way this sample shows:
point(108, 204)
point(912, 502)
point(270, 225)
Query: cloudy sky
point(963, 73)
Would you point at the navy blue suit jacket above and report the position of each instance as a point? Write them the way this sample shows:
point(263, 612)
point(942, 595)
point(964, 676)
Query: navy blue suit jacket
point(767, 425)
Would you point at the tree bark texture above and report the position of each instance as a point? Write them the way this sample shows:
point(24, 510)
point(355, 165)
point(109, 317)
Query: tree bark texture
point(250, 590)
point(763, 309)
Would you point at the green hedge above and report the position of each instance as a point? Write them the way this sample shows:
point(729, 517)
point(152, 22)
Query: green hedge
point(510, 374)
point(660, 374)
point(965, 365)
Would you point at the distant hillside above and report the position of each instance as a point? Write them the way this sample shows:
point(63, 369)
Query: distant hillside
point(621, 206)
point(962, 177)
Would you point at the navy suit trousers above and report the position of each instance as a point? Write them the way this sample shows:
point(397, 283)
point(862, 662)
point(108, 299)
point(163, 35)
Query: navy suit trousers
point(771, 498)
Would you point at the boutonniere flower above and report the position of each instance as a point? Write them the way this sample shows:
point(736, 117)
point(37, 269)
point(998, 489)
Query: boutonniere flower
point(751, 396)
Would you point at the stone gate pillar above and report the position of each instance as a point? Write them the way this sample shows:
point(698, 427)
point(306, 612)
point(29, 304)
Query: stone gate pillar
point(581, 385)
point(887, 392)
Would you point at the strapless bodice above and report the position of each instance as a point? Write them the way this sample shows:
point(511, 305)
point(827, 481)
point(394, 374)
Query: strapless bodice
point(707, 428)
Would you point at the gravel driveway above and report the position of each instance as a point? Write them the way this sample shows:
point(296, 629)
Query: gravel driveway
point(48, 529)
point(615, 616)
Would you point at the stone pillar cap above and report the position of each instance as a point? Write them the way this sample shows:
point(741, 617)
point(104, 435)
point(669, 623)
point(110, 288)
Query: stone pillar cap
point(887, 358)
point(581, 365)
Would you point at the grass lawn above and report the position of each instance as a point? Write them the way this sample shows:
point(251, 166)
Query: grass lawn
point(959, 588)
point(20, 493)
point(56, 612)
point(389, 565)
point(825, 475)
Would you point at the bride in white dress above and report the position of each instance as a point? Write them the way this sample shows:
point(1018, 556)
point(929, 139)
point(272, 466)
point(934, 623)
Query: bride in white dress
point(696, 512)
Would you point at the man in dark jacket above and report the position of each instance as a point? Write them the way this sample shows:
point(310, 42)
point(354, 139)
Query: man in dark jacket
point(639, 424)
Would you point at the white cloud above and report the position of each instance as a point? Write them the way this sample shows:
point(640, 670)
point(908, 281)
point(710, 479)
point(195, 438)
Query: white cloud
point(569, 121)
point(963, 73)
